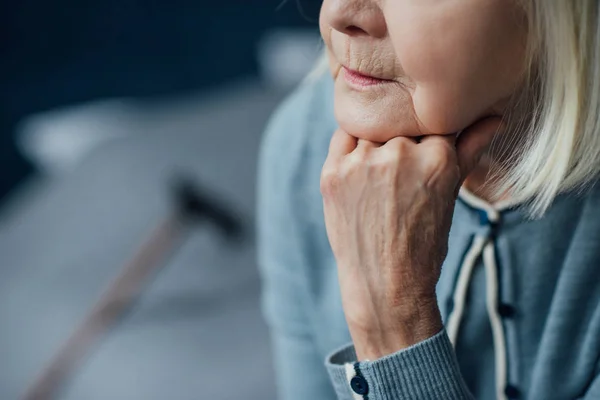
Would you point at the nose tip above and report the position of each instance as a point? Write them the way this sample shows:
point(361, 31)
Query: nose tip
point(355, 17)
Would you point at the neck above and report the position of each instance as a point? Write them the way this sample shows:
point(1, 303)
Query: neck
point(479, 184)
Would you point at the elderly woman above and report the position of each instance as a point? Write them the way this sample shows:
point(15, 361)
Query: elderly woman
point(428, 223)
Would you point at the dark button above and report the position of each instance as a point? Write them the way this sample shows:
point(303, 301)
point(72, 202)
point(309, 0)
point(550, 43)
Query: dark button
point(491, 226)
point(493, 233)
point(506, 310)
point(359, 385)
point(512, 392)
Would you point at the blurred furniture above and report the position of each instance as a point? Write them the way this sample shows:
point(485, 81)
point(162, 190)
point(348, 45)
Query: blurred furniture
point(197, 332)
point(63, 52)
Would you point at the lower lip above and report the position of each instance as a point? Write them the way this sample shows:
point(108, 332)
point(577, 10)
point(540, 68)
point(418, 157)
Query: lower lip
point(360, 81)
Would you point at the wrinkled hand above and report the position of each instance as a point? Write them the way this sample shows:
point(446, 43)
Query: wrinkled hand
point(388, 210)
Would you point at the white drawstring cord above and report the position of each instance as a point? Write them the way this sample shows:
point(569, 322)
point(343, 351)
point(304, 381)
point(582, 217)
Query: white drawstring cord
point(492, 212)
point(487, 247)
point(491, 278)
point(462, 286)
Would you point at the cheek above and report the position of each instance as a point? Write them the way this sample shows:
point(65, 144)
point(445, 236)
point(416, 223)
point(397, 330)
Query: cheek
point(463, 63)
point(433, 63)
point(441, 109)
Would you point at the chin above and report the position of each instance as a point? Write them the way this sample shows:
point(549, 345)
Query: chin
point(386, 116)
point(377, 115)
point(364, 125)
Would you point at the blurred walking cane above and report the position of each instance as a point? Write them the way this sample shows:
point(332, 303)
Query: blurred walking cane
point(151, 256)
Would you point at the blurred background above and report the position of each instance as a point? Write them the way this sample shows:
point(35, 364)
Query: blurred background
point(105, 107)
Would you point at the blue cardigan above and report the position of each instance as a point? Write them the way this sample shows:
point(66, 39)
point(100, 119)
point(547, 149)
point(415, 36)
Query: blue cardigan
point(520, 299)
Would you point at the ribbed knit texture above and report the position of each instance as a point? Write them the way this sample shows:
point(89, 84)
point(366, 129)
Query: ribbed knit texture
point(407, 374)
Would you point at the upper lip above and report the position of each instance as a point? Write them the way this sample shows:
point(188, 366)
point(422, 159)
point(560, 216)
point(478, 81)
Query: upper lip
point(367, 74)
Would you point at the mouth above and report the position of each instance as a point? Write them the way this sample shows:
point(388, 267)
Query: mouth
point(361, 81)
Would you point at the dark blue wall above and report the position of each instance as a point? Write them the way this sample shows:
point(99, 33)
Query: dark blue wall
point(63, 52)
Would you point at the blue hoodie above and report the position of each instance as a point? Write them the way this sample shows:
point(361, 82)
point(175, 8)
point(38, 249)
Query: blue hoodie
point(520, 299)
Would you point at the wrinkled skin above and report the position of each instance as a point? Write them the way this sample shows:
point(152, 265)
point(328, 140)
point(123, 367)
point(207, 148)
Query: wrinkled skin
point(395, 164)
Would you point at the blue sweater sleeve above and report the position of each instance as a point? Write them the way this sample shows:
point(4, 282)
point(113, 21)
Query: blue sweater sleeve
point(299, 368)
point(427, 370)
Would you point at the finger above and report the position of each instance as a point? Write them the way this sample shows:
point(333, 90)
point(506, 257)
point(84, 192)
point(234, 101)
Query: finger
point(341, 144)
point(364, 146)
point(436, 139)
point(398, 142)
point(398, 146)
point(474, 142)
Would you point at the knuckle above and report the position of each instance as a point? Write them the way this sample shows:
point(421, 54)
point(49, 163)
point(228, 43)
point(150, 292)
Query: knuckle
point(441, 158)
point(355, 161)
point(393, 153)
point(432, 169)
point(384, 161)
point(391, 158)
point(399, 144)
point(335, 174)
point(440, 167)
point(329, 182)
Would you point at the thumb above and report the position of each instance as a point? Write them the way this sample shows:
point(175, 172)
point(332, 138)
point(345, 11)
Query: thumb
point(473, 143)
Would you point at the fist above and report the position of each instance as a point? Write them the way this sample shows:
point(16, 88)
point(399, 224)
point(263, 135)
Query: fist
point(388, 210)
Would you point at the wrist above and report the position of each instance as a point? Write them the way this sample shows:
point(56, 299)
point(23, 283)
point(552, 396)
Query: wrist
point(376, 339)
